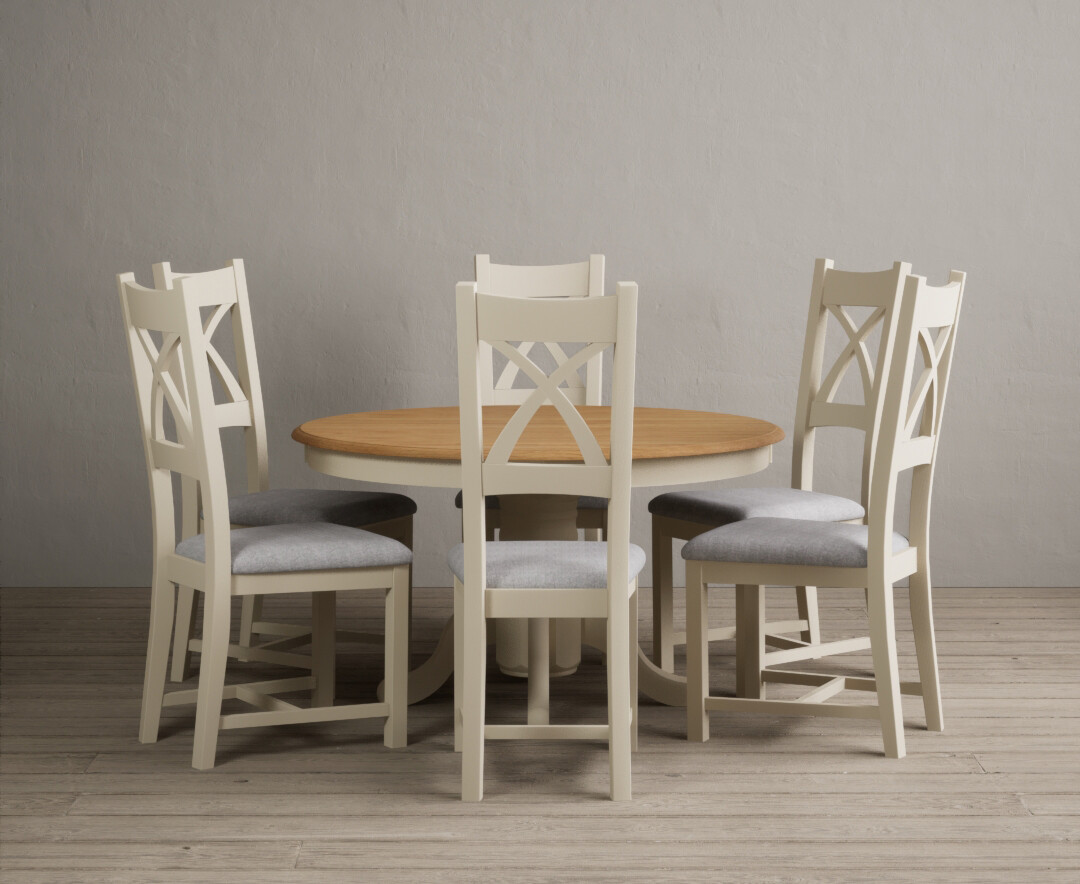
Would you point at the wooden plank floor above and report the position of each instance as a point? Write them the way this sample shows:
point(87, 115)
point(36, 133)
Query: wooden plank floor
point(994, 797)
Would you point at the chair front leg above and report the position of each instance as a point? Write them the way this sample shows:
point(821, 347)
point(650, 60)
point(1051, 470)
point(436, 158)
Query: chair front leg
point(474, 671)
point(215, 655)
point(396, 659)
point(250, 611)
point(323, 647)
point(619, 704)
point(634, 668)
point(922, 621)
point(182, 634)
point(697, 653)
point(539, 671)
point(459, 661)
point(749, 641)
point(157, 658)
point(662, 597)
point(886, 674)
point(807, 601)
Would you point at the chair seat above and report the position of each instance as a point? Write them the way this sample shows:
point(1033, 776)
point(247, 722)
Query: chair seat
point(786, 542)
point(546, 564)
point(723, 506)
point(307, 546)
point(584, 503)
point(291, 505)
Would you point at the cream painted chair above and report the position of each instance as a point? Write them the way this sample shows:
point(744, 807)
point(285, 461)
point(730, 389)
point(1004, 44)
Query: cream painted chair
point(580, 280)
point(379, 511)
point(181, 424)
point(683, 515)
point(539, 580)
point(786, 552)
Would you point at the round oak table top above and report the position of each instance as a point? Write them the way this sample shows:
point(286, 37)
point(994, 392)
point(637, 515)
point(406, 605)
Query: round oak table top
point(421, 446)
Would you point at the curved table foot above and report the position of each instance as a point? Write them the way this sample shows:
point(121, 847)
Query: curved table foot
point(435, 671)
point(654, 682)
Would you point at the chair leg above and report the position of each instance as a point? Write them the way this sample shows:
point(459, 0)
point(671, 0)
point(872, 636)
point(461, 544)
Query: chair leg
point(634, 668)
point(697, 654)
point(922, 621)
point(459, 661)
point(182, 634)
point(539, 671)
point(157, 659)
point(662, 596)
point(474, 671)
point(749, 641)
point(215, 655)
point(250, 611)
point(619, 705)
point(886, 674)
point(806, 598)
point(396, 660)
point(323, 647)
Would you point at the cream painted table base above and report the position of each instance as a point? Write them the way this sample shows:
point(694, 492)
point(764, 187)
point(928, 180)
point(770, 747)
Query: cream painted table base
point(421, 446)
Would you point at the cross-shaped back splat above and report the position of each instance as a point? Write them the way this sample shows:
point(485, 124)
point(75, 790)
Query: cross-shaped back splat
point(855, 351)
point(548, 390)
point(924, 405)
point(165, 391)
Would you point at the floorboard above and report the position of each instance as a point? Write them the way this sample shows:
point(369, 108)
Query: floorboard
point(994, 797)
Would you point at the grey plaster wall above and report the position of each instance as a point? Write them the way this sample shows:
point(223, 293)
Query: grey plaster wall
point(357, 155)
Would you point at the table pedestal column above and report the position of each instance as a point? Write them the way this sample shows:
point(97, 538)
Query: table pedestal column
point(537, 517)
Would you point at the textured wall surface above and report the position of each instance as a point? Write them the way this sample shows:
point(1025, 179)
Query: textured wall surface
point(356, 155)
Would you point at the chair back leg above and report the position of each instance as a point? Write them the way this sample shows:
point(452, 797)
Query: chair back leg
point(662, 598)
point(157, 658)
point(182, 634)
point(886, 670)
point(922, 622)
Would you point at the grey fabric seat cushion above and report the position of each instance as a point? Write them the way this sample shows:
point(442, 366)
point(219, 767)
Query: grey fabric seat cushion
point(726, 505)
point(307, 546)
point(584, 503)
point(546, 564)
point(290, 505)
point(786, 542)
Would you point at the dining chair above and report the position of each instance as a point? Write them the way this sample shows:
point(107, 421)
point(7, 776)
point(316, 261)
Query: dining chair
point(382, 512)
point(181, 427)
point(683, 515)
point(782, 551)
point(539, 580)
point(584, 279)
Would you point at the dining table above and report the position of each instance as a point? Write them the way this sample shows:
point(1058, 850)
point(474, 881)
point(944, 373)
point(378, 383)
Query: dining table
point(421, 447)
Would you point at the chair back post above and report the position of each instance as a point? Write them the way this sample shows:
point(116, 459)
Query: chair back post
point(833, 291)
point(580, 280)
point(196, 454)
point(471, 388)
point(621, 440)
point(247, 372)
point(913, 410)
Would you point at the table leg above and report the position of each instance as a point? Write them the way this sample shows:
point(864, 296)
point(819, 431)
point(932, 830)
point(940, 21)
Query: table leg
point(537, 517)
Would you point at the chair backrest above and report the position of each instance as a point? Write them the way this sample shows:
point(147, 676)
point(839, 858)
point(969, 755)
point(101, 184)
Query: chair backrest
point(597, 324)
point(584, 279)
point(171, 360)
point(244, 385)
point(914, 404)
point(834, 293)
